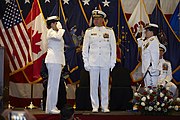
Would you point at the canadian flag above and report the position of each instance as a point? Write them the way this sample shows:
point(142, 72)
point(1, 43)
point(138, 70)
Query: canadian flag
point(138, 19)
point(37, 30)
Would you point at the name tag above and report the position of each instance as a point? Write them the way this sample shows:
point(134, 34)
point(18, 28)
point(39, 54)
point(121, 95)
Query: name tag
point(93, 33)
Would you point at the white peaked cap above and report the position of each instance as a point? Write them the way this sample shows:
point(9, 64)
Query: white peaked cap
point(98, 13)
point(151, 25)
point(163, 47)
point(52, 18)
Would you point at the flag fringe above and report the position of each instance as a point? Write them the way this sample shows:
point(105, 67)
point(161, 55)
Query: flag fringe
point(21, 69)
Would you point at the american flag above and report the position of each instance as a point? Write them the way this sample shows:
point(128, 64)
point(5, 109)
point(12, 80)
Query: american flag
point(14, 37)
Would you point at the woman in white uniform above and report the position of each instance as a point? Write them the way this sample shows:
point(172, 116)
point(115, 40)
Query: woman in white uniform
point(55, 60)
point(150, 55)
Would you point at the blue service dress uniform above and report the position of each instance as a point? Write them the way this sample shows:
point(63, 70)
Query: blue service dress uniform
point(99, 56)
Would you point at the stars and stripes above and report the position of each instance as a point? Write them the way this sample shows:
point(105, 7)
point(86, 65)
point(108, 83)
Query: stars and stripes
point(14, 37)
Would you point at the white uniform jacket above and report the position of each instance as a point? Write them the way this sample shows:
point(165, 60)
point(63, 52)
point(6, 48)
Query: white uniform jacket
point(150, 53)
point(99, 47)
point(165, 71)
point(55, 52)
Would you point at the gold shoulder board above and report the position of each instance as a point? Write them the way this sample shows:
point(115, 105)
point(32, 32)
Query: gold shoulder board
point(151, 39)
point(90, 28)
point(167, 61)
point(109, 28)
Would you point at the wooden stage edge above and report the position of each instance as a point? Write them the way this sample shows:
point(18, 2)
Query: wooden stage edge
point(113, 115)
point(38, 111)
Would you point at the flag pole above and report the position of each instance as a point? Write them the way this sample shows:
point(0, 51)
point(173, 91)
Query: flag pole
point(31, 106)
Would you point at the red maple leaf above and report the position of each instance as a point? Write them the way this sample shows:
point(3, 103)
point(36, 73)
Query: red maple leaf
point(36, 39)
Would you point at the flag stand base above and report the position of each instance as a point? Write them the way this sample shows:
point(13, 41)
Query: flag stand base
point(31, 106)
point(9, 106)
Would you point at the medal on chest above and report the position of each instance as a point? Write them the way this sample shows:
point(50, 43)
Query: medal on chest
point(145, 45)
point(106, 35)
point(165, 66)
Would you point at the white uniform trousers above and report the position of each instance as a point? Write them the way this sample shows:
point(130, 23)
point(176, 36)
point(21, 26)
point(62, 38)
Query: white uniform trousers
point(101, 73)
point(151, 79)
point(172, 87)
point(54, 74)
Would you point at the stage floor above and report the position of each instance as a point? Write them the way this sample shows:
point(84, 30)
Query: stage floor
point(113, 115)
point(128, 112)
point(39, 111)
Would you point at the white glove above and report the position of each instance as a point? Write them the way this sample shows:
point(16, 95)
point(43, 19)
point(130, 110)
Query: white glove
point(161, 82)
point(112, 66)
point(59, 26)
point(87, 67)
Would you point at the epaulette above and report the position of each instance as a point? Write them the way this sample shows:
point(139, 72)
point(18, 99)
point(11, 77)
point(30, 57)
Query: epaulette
point(90, 28)
point(151, 39)
point(109, 28)
point(141, 39)
point(167, 61)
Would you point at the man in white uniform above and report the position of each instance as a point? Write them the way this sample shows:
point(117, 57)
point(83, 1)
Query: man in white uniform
point(165, 72)
point(150, 55)
point(55, 60)
point(99, 56)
